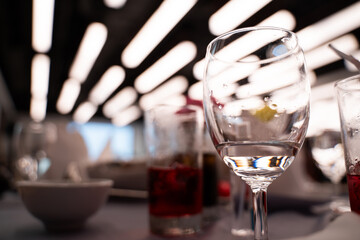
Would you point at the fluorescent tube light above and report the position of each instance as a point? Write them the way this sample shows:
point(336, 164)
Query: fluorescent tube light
point(116, 4)
point(40, 71)
point(196, 91)
point(282, 18)
point(107, 84)
point(42, 25)
point(84, 112)
point(38, 109)
point(162, 69)
point(89, 49)
point(169, 13)
point(126, 116)
point(68, 95)
point(330, 27)
point(234, 13)
point(176, 85)
point(322, 55)
point(123, 99)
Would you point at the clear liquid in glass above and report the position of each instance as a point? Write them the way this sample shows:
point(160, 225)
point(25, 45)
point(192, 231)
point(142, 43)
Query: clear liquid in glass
point(257, 162)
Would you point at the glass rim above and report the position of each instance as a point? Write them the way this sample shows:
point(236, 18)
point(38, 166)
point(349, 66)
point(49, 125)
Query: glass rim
point(341, 85)
point(249, 29)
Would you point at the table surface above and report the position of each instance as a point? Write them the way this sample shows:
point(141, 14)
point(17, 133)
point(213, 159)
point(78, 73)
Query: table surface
point(127, 218)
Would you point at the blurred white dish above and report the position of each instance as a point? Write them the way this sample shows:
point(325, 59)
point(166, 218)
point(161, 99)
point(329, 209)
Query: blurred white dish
point(62, 204)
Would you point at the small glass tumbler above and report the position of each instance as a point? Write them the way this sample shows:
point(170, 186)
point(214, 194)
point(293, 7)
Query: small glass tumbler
point(348, 96)
point(174, 140)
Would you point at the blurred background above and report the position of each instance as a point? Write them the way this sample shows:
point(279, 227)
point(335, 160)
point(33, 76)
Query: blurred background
point(89, 68)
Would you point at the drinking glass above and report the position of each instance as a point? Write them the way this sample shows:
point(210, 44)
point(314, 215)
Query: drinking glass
point(328, 154)
point(348, 96)
point(174, 137)
point(256, 101)
point(31, 143)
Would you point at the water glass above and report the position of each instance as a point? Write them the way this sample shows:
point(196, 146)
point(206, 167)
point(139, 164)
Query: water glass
point(174, 141)
point(348, 96)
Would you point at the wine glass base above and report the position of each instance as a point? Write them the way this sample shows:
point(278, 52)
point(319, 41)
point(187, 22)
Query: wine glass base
point(243, 233)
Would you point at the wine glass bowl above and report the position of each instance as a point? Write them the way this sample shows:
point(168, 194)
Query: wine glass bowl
point(256, 102)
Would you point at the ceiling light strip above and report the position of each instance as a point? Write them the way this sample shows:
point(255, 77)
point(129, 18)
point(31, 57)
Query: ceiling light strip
point(126, 116)
point(175, 86)
point(169, 13)
point(282, 18)
point(165, 67)
point(68, 95)
point(123, 99)
point(42, 25)
point(322, 55)
point(107, 84)
point(330, 27)
point(234, 13)
point(38, 109)
point(84, 112)
point(88, 51)
point(196, 91)
point(40, 70)
point(116, 4)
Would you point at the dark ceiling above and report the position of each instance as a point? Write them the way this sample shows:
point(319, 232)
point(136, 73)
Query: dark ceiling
point(73, 16)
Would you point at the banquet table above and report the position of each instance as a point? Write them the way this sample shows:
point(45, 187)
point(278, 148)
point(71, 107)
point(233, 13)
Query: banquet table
point(127, 218)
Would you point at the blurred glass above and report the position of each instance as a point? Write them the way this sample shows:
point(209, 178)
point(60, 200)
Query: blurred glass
point(174, 137)
point(31, 141)
point(328, 154)
point(348, 96)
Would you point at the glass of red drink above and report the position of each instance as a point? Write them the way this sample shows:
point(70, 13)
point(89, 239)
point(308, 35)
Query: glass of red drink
point(174, 141)
point(348, 96)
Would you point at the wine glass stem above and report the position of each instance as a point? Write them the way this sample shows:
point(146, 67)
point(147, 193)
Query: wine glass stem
point(260, 214)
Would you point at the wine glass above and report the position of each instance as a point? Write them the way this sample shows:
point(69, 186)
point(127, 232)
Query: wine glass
point(328, 154)
point(31, 143)
point(256, 101)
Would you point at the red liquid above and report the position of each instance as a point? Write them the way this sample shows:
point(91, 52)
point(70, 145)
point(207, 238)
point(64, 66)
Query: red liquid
point(354, 192)
point(175, 192)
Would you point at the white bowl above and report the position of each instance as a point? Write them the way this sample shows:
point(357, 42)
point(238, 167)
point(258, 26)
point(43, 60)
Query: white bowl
point(61, 204)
